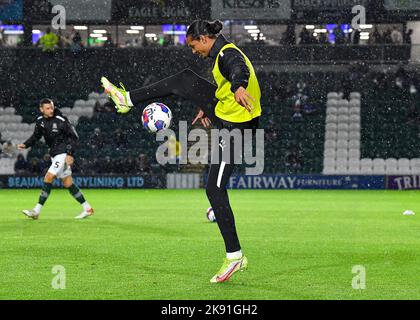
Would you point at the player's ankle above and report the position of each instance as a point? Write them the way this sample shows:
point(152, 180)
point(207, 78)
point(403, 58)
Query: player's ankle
point(234, 255)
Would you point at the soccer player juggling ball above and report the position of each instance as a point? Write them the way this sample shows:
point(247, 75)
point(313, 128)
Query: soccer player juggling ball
point(61, 138)
point(234, 103)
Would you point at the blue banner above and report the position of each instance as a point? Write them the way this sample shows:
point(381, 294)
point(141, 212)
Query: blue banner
point(306, 182)
point(11, 10)
point(86, 182)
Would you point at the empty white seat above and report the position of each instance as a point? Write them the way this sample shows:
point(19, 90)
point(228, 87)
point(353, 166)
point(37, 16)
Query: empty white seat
point(330, 144)
point(391, 162)
point(342, 154)
point(331, 127)
point(331, 135)
point(354, 144)
point(341, 166)
point(332, 95)
point(79, 103)
point(354, 126)
point(354, 103)
point(391, 170)
point(343, 103)
point(354, 135)
point(93, 96)
point(354, 153)
point(343, 110)
point(9, 110)
point(90, 103)
point(378, 162)
point(65, 111)
point(332, 110)
point(378, 169)
point(403, 162)
point(342, 144)
point(342, 127)
point(343, 118)
point(354, 118)
point(331, 118)
point(354, 166)
point(329, 153)
point(354, 110)
point(332, 103)
point(355, 95)
point(415, 166)
point(342, 135)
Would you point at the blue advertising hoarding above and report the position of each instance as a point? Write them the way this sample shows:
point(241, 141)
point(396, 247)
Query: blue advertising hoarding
point(11, 10)
point(278, 181)
point(86, 182)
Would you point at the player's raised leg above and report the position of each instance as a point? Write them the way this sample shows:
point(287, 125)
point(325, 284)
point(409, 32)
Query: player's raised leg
point(78, 195)
point(45, 193)
point(186, 84)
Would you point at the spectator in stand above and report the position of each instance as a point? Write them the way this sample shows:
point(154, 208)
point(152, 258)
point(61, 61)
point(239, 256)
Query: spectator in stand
point(109, 43)
point(289, 37)
point(407, 36)
point(45, 163)
point(323, 38)
point(21, 165)
point(77, 44)
point(143, 164)
point(376, 37)
point(9, 150)
point(387, 37)
point(396, 36)
point(48, 41)
point(413, 114)
point(294, 160)
point(305, 36)
point(1, 36)
point(356, 37)
point(339, 35)
point(34, 166)
point(120, 139)
point(97, 140)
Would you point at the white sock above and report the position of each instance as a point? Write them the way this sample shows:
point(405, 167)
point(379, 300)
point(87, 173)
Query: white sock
point(38, 208)
point(130, 103)
point(86, 206)
point(234, 255)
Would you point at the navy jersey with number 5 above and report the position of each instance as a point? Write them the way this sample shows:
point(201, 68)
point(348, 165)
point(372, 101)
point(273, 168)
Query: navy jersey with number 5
point(59, 134)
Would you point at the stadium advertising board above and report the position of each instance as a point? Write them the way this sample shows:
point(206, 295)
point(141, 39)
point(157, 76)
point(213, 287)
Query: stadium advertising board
point(11, 10)
point(75, 10)
point(306, 182)
point(304, 5)
point(86, 182)
point(403, 182)
point(159, 11)
point(402, 4)
point(251, 9)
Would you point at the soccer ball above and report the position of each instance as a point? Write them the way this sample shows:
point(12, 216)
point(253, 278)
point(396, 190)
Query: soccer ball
point(156, 117)
point(210, 215)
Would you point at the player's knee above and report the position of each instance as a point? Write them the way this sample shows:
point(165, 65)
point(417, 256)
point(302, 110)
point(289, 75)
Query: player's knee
point(212, 191)
point(49, 178)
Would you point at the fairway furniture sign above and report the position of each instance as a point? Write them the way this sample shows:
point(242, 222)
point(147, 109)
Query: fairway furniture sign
point(306, 182)
point(159, 11)
point(251, 9)
point(86, 182)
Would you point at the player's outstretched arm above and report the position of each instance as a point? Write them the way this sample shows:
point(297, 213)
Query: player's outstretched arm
point(32, 139)
point(119, 96)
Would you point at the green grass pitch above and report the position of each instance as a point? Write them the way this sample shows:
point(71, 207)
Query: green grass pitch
point(157, 244)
